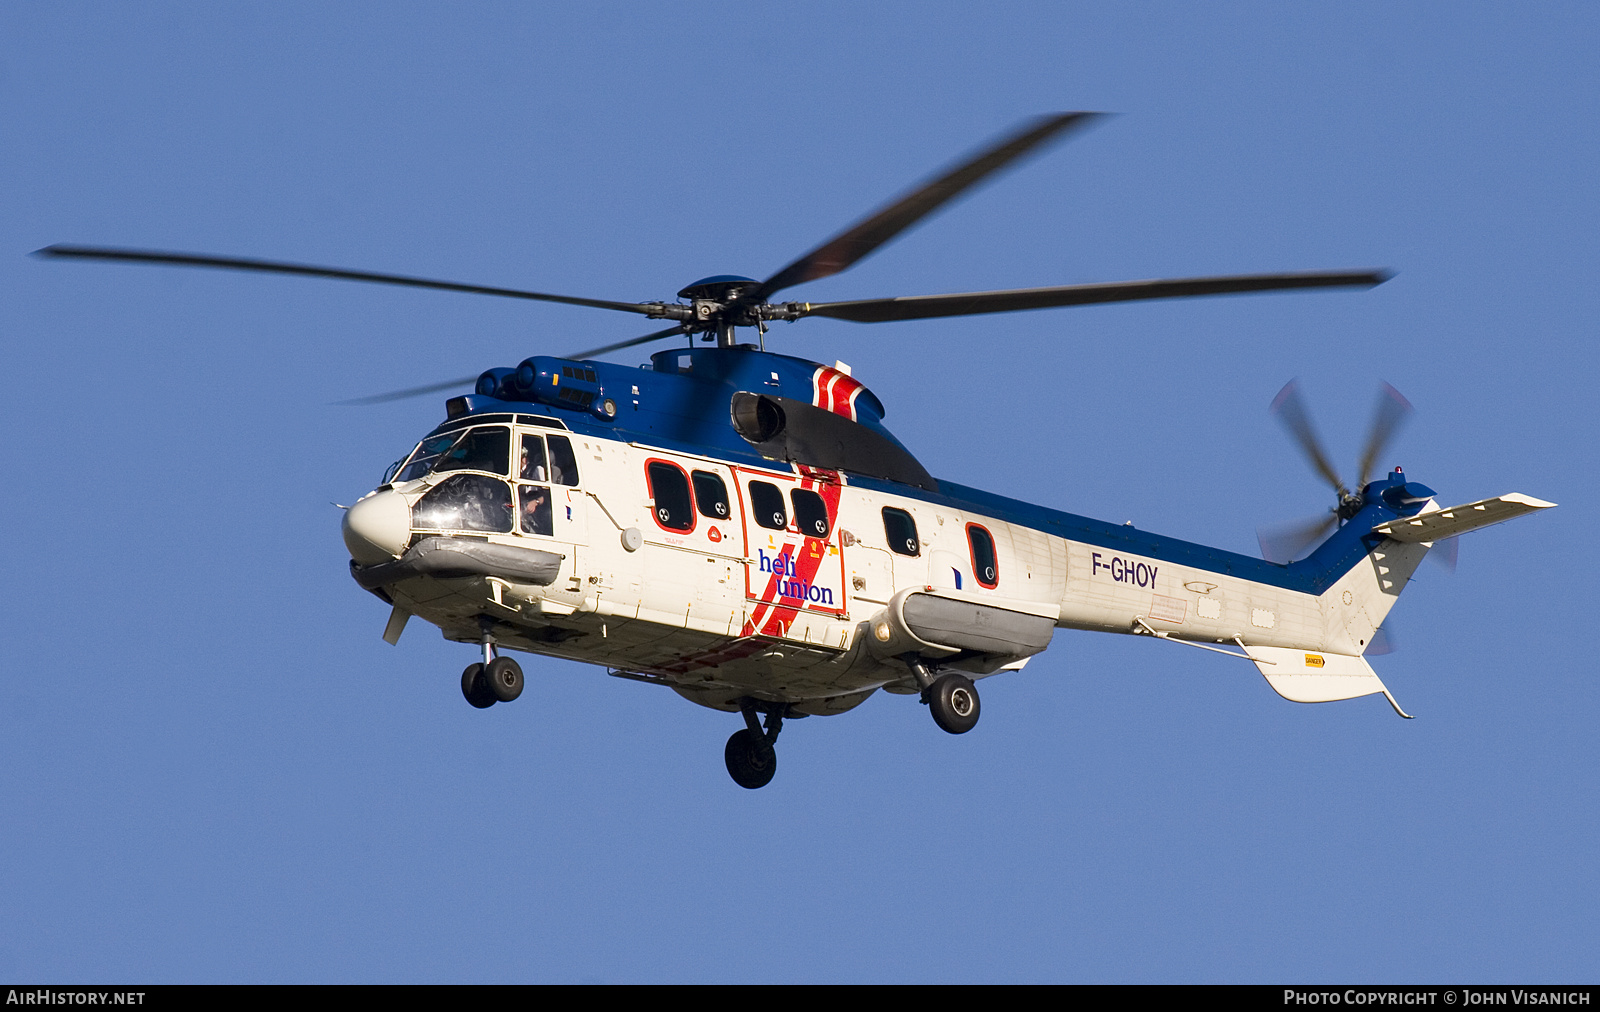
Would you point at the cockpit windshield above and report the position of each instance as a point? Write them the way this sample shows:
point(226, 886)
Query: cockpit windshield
point(485, 448)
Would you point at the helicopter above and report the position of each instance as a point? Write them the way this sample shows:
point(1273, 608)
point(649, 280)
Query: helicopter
point(739, 526)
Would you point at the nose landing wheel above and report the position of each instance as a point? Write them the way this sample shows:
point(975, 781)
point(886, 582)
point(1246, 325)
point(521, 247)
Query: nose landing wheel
point(476, 688)
point(499, 681)
point(751, 761)
point(504, 677)
point(494, 680)
point(750, 757)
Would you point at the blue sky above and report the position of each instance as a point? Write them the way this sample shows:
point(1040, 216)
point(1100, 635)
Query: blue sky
point(214, 770)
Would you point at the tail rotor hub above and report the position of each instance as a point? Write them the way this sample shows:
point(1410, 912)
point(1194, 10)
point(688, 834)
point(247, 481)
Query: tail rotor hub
point(1283, 544)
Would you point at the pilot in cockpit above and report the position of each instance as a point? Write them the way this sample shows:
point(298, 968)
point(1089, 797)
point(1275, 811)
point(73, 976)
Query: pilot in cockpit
point(533, 466)
point(535, 509)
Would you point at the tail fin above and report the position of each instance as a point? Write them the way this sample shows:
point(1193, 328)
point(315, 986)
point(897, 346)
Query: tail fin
point(1406, 541)
point(1364, 566)
point(1359, 597)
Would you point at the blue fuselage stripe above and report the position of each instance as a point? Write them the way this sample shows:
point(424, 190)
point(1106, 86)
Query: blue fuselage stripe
point(1312, 575)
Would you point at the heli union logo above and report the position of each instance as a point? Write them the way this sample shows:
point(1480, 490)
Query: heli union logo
point(802, 590)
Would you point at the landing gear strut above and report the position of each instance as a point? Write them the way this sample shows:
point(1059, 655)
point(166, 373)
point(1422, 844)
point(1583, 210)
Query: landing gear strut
point(494, 680)
point(951, 697)
point(751, 759)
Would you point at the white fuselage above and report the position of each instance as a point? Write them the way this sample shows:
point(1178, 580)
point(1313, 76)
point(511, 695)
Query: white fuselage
point(727, 606)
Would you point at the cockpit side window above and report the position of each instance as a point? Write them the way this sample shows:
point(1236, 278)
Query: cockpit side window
point(531, 462)
point(486, 448)
point(535, 511)
point(563, 462)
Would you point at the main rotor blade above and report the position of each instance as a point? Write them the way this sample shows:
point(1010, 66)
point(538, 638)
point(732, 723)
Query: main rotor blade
point(433, 388)
point(275, 267)
point(400, 395)
point(628, 343)
point(1285, 543)
point(1391, 413)
point(845, 249)
point(921, 307)
point(1290, 409)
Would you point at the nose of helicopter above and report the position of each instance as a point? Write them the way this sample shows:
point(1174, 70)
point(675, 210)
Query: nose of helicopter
point(378, 527)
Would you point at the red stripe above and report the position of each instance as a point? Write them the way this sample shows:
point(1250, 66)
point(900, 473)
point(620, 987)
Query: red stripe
point(731, 650)
point(832, 390)
point(814, 551)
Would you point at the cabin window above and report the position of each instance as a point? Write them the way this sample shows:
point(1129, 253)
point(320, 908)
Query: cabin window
point(465, 502)
point(901, 530)
point(810, 513)
point(563, 462)
point(533, 509)
point(711, 495)
point(669, 487)
point(766, 505)
point(486, 448)
point(984, 565)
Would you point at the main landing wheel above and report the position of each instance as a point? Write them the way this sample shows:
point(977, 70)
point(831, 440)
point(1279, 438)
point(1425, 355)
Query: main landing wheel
point(476, 688)
point(954, 703)
point(504, 678)
point(751, 760)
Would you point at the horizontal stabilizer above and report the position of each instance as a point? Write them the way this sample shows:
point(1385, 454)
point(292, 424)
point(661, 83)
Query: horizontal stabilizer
point(1310, 676)
point(1436, 525)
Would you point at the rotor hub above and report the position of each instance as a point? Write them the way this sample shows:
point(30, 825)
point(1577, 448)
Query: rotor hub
point(722, 288)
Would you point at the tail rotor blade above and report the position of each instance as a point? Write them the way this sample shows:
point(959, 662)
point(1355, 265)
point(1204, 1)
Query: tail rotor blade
point(1382, 642)
point(1290, 409)
point(1446, 553)
point(1392, 411)
point(1283, 544)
